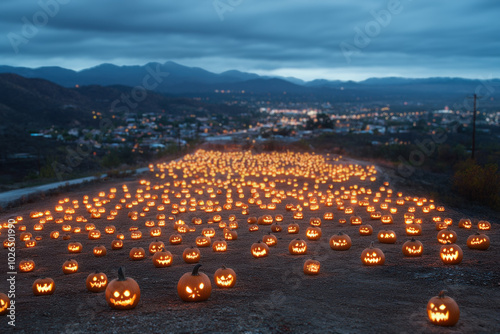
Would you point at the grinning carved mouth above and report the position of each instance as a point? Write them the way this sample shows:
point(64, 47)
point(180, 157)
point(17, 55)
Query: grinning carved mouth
point(449, 256)
point(438, 316)
point(372, 259)
point(46, 287)
point(97, 284)
point(124, 302)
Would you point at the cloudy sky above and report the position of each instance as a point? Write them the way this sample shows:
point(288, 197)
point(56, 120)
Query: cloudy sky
point(308, 39)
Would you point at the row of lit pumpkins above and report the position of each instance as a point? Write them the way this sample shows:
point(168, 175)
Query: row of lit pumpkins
point(123, 293)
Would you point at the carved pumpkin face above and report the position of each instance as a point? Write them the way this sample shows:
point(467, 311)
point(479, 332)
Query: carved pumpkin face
point(478, 241)
point(313, 233)
point(30, 243)
point(372, 256)
point(230, 235)
point(208, 232)
point(123, 293)
point(225, 277)
point(259, 249)
point(311, 267)
point(162, 259)
point(443, 310)
point(155, 232)
point(70, 267)
point(96, 282)
point(253, 228)
point(265, 220)
point(4, 303)
point(75, 247)
point(117, 244)
point(219, 246)
point(413, 229)
point(191, 255)
point(203, 241)
point(340, 242)
point(328, 216)
point(447, 237)
point(413, 248)
point(386, 219)
point(298, 215)
point(54, 234)
point(297, 247)
point(99, 251)
point(451, 254)
point(293, 228)
point(315, 222)
point(270, 240)
point(175, 239)
point(484, 225)
point(355, 220)
point(94, 234)
point(465, 223)
point(276, 228)
point(365, 229)
point(155, 246)
point(386, 236)
point(26, 266)
point(376, 215)
point(137, 253)
point(136, 235)
point(43, 286)
point(195, 286)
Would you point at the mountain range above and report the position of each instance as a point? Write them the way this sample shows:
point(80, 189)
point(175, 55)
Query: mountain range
point(183, 80)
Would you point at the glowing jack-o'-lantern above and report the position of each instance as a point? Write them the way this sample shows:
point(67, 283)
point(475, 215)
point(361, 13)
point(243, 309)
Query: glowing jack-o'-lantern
point(340, 242)
point(117, 244)
point(162, 259)
point(297, 247)
point(94, 234)
point(451, 254)
point(313, 233)
point(443, 310)
point(355, 220)
point(446, 236)
point(259, 249)
point(219, 246)
point(270, 239)
point(54, 234)
point(465, 223)
point(155, 246)
point(43, 286)
point(208, 232)
point(203, 241)
point(191, 255)
point(311, 267)
point(194, 286)
point(372, 256)
point(137, 253)
point(315, 222)
point(175, 239)
point(70, 267)
point(225, 277)
point(75, 247)
point(365, 229)
point(4, 303)
point(298, 215)
point(122, 293)
point(478, 241)
point(386, 219)
point(136, 235)
point(413, 229)
point(26, 266)
point(96, 282)
point(484, 225)
point(230, 235)
point(265, 220)
point(155, 232)
point(328, 216)
point(376, 215)
point(387, 236)
point(276, 228)
point(293, 228)
point(252, 220)
point(412, 248)
point(99, 251)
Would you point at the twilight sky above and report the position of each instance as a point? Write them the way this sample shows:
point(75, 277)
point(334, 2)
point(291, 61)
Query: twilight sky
point(308, 39)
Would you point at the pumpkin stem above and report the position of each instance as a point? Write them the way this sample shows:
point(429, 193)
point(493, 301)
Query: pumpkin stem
point(121, 275)
point(372, 244)
point(413, 239)
point(223, 267)
point(441, 294)
point(195, 270)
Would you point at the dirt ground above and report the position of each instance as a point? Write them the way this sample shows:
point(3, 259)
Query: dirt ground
point(272, 294)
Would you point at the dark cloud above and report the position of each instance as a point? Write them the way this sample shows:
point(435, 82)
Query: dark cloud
point(298, 37)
